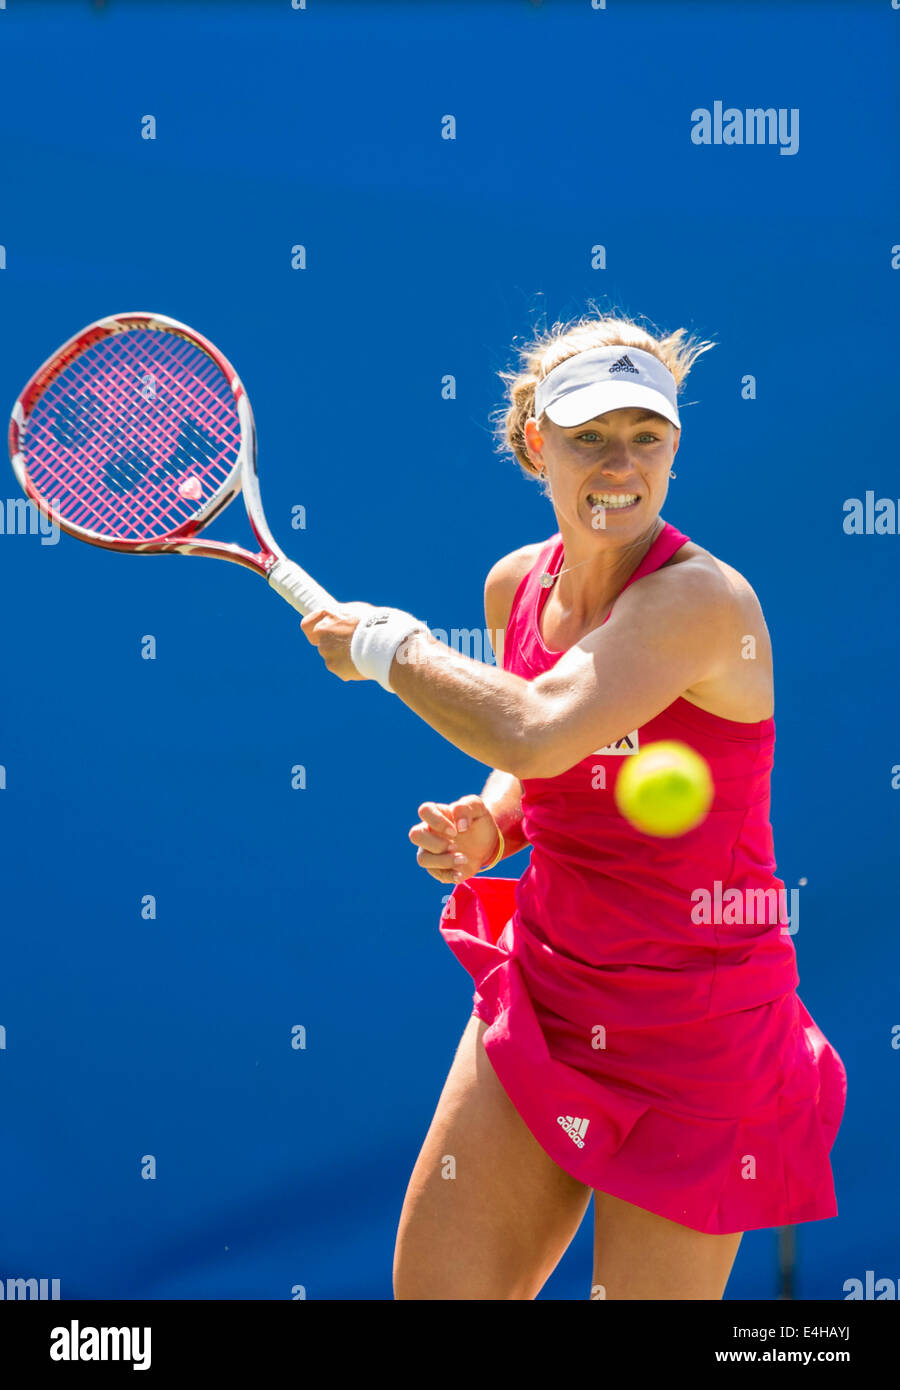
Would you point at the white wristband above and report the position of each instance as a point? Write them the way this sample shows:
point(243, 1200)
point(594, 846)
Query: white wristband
point(374, 644)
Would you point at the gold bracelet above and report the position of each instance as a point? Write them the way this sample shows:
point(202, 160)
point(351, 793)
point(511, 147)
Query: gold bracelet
point(498, 856)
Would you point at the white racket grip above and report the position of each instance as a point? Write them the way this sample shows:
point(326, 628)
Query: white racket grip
point(300, 591)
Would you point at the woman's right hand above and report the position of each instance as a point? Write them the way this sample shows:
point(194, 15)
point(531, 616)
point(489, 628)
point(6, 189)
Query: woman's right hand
point(456, 839)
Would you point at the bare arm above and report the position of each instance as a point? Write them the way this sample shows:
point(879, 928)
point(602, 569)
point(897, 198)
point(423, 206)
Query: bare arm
point(668, 632)
point(438, 834)
point(502, 794)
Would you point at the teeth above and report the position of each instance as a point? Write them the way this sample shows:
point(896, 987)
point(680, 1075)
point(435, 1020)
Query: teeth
point(611, 500)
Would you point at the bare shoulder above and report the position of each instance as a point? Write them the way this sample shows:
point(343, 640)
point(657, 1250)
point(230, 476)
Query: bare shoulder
point(503, 580)
point(702, 601)
point(696, 576)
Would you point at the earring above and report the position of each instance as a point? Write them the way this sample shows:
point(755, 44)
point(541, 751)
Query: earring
point(672, 473)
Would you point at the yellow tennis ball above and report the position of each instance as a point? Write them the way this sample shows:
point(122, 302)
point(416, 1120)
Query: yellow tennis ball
point(666, 789)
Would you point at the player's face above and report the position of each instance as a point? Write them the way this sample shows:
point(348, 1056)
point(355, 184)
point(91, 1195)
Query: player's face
point(609, 474)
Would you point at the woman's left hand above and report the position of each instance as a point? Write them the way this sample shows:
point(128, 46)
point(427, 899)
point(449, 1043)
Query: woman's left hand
point(332, 635)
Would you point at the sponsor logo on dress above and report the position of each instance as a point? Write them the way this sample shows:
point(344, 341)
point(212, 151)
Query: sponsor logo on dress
point(575, 1128)
point(627, 744)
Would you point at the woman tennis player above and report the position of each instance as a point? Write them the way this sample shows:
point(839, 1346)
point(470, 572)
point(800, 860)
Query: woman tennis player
point(622, 1045)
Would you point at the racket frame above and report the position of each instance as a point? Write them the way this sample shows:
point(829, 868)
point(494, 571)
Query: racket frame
point(242, 478)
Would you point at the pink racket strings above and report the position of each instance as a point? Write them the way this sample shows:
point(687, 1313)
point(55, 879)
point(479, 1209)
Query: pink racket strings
point(134, 436)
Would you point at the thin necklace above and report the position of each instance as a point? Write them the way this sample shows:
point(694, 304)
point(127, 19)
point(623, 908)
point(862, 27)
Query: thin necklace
point(547, 578)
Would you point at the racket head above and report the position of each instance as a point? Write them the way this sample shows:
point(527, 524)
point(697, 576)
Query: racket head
point(134, 435)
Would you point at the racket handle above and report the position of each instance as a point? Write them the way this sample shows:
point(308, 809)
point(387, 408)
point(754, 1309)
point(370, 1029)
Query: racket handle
point(300, 591)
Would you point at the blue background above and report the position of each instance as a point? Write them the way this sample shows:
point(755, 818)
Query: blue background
point(280, 1167)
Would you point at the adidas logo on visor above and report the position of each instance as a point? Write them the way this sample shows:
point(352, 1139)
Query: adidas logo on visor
point(624, 364)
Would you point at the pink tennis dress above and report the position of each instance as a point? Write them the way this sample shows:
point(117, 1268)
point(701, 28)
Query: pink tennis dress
point(640, 992)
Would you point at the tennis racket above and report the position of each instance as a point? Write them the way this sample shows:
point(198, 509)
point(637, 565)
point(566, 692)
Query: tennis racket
point(135, 434)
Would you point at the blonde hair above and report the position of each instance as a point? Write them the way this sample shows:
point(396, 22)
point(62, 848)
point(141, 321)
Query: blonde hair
point(554, 345)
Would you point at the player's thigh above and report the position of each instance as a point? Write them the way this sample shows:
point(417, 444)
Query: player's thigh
point(639, 1255)
point(487, 1214)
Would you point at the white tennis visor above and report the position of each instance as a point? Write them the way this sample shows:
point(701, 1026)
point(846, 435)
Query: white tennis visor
point(608, 378)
